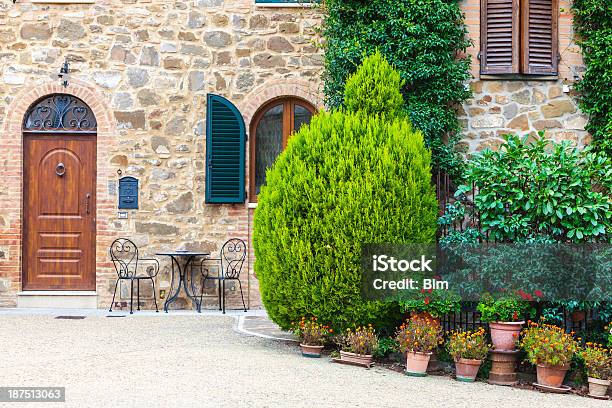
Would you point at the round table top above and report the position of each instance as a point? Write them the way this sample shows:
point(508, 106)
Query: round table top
point(183, 253)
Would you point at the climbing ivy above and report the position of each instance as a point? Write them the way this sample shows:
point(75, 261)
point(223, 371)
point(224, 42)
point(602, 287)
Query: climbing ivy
point(593, 24)
point(425, 41)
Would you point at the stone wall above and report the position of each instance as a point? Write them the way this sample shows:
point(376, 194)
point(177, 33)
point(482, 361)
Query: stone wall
point(152, 64)
point(523, 106)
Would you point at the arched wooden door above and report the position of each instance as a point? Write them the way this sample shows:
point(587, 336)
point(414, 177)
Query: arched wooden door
point(59, 195)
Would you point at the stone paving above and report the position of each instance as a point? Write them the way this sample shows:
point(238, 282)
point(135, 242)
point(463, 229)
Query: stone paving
point(183, 359)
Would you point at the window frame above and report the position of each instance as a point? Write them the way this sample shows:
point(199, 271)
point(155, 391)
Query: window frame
point(288, 103)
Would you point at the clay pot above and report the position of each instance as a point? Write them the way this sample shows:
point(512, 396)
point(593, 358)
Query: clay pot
point(597, 387)
point(416, 363)
point(466, 369)
point(505, 334)
point(551, 376)
point(311, 351)
point(503, 367)
point(361, 359)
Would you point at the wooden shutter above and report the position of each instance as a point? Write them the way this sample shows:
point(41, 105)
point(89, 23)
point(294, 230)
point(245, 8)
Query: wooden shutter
point(499, 34)
point(539, 36)
point(225, 152)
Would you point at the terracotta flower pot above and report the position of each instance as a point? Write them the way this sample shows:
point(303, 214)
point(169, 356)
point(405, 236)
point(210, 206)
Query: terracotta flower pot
point(551, 376)
point(597, 387)
point(363, 359)
point(311, 351)
point(416, 363)
point(467, 369)
point(505, 334)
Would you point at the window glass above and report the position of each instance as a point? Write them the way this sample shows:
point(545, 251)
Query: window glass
point(301, 116)
point(269, 143)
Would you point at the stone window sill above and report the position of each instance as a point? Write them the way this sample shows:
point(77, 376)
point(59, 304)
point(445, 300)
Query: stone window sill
point(252, 205)
point(518, 77)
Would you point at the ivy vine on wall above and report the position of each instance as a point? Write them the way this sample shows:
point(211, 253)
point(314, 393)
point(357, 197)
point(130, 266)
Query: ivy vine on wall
point(425, 41)
point(593, 24)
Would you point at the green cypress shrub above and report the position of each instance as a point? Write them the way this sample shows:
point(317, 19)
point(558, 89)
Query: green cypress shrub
point(374, 88)
point(347, 179)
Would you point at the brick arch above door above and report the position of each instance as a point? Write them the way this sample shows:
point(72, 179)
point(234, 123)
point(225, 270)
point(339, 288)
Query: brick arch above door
point(11, 139)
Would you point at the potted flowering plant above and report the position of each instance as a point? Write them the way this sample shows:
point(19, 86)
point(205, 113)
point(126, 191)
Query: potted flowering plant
point(468, 349)
point(418, 338)
point(505, 316)
point(551, 350)
point(358, 345)
point(598, 363)
point(312, 336)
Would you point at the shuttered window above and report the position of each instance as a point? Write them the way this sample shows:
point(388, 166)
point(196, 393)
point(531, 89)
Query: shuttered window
point(225, 152)
point(519, 37)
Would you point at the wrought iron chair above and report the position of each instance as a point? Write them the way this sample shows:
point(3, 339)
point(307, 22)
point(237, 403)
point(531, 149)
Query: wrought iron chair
point(230, 263)
point(124, 254)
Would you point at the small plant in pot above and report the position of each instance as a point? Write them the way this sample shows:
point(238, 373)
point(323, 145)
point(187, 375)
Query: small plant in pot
point(468, 349)
point(418, 338)
point(505, 316)
point(598, 363)
point(313, 336)
point(359, 345)
point(551, 350)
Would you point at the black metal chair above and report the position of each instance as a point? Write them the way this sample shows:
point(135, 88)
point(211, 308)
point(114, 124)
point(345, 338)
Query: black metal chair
point(230, 263)
point(124, 254)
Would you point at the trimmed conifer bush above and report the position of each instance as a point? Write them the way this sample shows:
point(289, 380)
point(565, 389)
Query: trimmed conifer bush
point(347, 179)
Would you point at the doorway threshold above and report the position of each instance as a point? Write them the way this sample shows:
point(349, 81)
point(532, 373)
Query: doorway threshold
point(58, 299)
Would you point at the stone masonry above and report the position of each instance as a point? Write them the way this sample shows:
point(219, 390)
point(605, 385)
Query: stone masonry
point(150, 64)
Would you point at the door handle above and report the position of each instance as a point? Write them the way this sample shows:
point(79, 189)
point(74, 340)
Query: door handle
point(87, 198)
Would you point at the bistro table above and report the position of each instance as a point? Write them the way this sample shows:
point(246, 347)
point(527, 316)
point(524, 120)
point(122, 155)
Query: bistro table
point(189, 256)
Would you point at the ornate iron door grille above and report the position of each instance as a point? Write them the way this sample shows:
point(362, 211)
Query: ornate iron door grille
point(60, 113)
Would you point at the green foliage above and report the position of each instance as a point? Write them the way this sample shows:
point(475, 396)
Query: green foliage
point(374, 88)
point(593, 23)
point(344, 180)
point(435, 302)
point(529, 190)
point(504, 309)
point(386, 346)
point(421, 39)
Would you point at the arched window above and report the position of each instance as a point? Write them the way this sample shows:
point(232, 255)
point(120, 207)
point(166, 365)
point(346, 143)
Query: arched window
point(271, 128)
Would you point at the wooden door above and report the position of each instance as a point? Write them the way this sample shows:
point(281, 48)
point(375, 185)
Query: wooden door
point(59, 212)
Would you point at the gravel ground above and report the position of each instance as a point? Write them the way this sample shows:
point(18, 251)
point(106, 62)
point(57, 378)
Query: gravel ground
point(201, 361)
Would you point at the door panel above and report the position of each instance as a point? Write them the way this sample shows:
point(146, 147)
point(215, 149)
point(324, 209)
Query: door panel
point(59, 212)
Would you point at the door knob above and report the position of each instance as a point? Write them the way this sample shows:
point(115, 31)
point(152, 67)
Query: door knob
point(60, 169)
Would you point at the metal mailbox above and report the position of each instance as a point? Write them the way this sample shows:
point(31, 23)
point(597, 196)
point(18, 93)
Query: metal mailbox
point(128, 193)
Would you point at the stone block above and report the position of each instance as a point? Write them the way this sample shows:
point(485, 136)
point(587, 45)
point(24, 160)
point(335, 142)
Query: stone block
point(36, 31)
point(558, 108)
point(130, 120)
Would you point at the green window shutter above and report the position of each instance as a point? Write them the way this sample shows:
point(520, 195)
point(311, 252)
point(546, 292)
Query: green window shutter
point(225, 152)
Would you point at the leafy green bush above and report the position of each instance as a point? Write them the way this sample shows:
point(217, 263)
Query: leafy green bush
point(504, 309)
point(421, 39)
point(593, 22)
point(530, 190)
point(347, 179)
